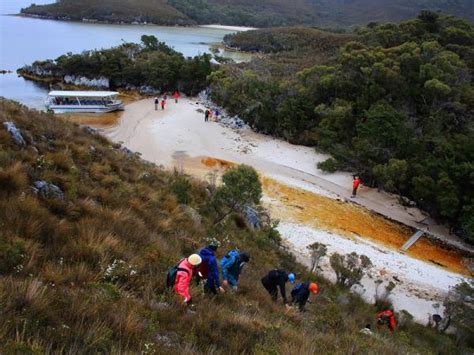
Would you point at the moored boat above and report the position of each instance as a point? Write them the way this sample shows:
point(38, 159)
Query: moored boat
point(83, 101)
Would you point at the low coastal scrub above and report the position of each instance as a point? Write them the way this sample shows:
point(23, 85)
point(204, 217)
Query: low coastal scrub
point(392, 103)
point(88, 231)
point(148, 66)
point(274, 40)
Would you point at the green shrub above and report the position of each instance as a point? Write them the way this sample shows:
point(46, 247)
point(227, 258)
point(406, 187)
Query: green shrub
point(12, 255)
point(329, 165)
point(240, 187)
point(349, 268)
point(181, 188)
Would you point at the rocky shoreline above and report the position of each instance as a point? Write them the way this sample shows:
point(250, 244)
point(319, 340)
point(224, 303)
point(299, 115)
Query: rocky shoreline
point(82, 82)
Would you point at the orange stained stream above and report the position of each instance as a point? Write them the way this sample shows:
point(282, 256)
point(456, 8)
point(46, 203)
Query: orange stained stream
point(301, 206)
point(349, 220)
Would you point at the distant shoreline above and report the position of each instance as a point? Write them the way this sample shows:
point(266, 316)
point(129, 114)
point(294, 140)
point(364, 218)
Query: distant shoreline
point(134, 23)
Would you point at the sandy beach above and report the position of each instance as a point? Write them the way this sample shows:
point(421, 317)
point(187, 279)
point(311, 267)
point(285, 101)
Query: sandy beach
point(232, 28)
point(178, 137)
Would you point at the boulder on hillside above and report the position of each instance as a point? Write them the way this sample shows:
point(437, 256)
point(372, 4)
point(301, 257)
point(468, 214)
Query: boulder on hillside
point(192, 213)
point(15, 133)
point(252, 217)
point(47, 190)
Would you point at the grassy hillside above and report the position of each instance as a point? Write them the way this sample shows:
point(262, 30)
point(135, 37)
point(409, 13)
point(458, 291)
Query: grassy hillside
point(265, 13)
point(86, 273)
point(392, 103)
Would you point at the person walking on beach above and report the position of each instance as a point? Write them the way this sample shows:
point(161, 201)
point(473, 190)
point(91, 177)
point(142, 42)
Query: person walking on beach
point(206, 115)
point(355, 185)
point(156, 103)
point(163, 103)
point(216, 114)
point(277, 279)
point(176, 96)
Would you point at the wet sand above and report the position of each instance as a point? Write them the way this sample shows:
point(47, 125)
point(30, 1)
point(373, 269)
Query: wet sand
point(349, 220)
point(103, 120)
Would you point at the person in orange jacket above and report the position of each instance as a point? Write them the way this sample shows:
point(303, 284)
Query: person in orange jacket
point(387, 318)
point(355, 185)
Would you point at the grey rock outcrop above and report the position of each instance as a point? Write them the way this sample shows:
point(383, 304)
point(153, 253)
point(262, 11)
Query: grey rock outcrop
point(15, 133)
point(252, 217)
point(90, 130)
point(101, 82)
point(192, 213)
point(47, 190)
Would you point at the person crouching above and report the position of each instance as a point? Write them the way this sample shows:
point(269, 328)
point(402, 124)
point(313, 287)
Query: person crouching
point(184, 276)
point(301, 292)
point(232, 265)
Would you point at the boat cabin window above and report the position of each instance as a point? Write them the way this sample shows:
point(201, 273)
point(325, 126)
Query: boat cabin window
point(84, 101)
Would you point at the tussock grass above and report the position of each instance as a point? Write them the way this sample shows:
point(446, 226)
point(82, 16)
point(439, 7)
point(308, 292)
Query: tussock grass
point(87, 274)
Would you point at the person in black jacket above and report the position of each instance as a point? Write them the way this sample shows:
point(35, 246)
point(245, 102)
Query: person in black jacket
point(300, 294)
point(277, 278)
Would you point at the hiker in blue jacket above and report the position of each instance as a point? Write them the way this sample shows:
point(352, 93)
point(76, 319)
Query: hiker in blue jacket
point(208, 269)
point(232, 265)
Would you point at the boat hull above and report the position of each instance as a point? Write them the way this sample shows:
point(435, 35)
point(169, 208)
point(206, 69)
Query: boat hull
point(85, 108)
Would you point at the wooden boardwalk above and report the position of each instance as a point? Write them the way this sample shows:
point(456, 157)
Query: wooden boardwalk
point(418, 234)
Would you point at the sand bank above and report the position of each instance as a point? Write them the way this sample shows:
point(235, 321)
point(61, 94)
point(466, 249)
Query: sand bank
point(231, 28)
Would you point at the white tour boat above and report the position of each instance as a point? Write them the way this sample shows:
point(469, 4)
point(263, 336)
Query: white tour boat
point(83, 101)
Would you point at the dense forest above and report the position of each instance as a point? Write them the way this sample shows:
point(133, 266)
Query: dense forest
point(151, 63)
point(263, 13)
point(88, 231)
point(394, 103)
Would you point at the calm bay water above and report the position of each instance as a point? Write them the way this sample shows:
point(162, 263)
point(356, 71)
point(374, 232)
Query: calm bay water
point(24, 40)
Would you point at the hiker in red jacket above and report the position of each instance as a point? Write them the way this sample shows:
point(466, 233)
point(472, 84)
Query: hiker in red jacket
point(184, 276)
point(355, 185)
point(176, 96)
point(163, 103)
point(386, 318)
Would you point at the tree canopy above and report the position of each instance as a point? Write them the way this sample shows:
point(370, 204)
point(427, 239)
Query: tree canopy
point(151, 63)
point(394, 104)
point(262, 13)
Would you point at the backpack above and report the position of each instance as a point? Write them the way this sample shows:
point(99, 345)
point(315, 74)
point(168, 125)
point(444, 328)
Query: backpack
point(171, 275)
point(230, 254)
point(296, 289)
